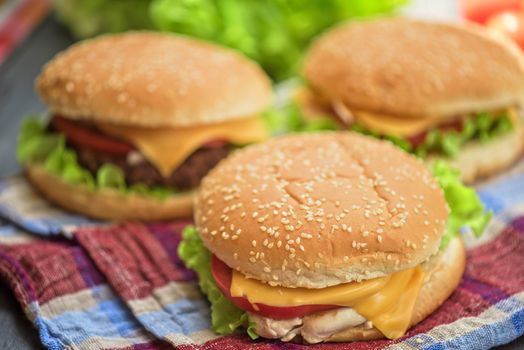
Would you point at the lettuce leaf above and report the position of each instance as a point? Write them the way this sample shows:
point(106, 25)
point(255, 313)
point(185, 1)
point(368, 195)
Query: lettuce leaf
point(274, 33)
point(289, 119)
point(466, 210)
point(87, 18)
point(225, 316)
point(482, 127)
point(37, 145)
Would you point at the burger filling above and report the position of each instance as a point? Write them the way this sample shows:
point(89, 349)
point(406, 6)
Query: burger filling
point(315, 315)
point(387, 302)
point(155, 161)
point(420, 136)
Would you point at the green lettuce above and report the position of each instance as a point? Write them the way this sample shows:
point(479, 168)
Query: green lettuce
point(37, 145)
point(225, 316)
point(87, 18)
point(482, 127)
point(466, 210)
point(289, 119)
point(274, 33)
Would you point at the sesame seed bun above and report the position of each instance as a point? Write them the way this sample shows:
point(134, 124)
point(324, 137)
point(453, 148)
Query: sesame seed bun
point(315, 210)
point(106, 203)
point(153, 80)
point(416, 69)
point(443, 274)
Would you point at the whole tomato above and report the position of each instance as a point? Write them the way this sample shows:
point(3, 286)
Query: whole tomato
point(481, 10)
point(509, 23)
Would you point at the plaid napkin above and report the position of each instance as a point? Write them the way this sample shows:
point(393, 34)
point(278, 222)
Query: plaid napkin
point(122, 286)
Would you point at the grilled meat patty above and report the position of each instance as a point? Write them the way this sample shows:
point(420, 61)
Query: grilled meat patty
point(141, 171)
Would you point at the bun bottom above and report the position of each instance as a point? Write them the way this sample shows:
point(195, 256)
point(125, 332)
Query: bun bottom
point(443, 274)
point(108, 204)
point(479, 160)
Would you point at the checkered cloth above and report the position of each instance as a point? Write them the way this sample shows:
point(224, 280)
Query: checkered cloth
point(122, 286)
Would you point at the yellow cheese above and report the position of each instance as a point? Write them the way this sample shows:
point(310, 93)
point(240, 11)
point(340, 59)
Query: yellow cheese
point(406, 127)
point(386, 301)
point(343, 294)
point(167, 148)
point(513, 115)
point(395, 126)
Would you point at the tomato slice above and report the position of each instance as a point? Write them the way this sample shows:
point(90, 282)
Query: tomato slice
point(81, 136)
point(481, 10)
point(223, 275)
point(418, 139)
point(509, 23)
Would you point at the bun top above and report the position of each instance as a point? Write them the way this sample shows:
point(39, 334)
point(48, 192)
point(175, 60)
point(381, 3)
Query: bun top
point(153, 80)
point(315, 210)
point(416, 69)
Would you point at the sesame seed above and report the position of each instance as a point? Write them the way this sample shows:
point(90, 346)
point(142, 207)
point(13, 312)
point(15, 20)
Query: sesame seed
point(267, 269)
point(254, 243)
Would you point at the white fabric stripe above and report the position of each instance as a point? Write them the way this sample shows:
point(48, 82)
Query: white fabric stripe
point(97, 343)
point(78, 301)
point(166, 295)
point(178, 339)
point(18, 238)
point(461, 327)
point(203, 336)
point(25, 201)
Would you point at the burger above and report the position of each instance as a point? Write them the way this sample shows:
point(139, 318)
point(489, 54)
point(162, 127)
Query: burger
point(328, 237)
point(437, 90)
point(136, 120)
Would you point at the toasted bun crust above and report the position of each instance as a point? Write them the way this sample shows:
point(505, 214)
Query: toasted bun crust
point(443, 274)
point(315, 210)
point(107, 203)
point(478, 160)
point(416, 69)
point(153, 80)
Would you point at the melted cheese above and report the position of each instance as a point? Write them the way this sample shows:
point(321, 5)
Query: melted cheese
point(391, 125)
point(167, 148)
point(387, 301)
point(405, 127)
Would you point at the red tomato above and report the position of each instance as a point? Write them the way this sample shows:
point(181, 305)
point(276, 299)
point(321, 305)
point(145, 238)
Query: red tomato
point(81, 136)
point(509, 23)
point(215, 144)
point(416, 140)
point(223, 274)
point(480, 10)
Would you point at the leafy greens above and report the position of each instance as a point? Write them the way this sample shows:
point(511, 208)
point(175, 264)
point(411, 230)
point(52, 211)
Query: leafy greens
point(274, 33)
point(37, 145)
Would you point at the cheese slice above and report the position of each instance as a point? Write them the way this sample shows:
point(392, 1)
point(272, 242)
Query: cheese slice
point(388, 301)
point(395, 126)
point(406, 127)
point(167, 148)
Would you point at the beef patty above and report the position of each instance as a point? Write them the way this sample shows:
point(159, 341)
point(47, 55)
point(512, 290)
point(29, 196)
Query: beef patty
point(187, 176)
